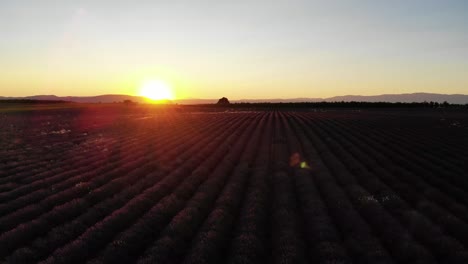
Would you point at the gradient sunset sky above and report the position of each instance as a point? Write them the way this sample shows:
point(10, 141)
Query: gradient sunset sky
point(237, 49)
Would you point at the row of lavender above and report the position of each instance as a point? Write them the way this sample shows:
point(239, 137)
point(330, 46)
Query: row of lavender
point(213, 188)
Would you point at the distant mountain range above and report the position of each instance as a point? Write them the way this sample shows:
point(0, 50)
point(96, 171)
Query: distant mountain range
point(406, 98)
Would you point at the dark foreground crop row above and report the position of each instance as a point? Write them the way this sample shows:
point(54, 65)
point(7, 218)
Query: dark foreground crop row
point(142, 186)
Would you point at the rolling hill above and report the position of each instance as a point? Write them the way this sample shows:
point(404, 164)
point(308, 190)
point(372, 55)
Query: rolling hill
point(406, 98)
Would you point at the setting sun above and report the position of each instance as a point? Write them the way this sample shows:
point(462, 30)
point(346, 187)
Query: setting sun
point(156, 90)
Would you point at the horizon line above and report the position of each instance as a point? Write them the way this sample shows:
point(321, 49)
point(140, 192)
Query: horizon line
point(263, 98)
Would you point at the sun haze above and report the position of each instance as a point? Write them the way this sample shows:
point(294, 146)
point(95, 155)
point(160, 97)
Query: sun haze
point(238, 49)
point(156, 90)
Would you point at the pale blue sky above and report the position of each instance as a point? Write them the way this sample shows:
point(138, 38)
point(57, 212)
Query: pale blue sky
point(238, 49)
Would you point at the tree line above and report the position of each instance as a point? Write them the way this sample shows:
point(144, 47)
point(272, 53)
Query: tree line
point(350, 104)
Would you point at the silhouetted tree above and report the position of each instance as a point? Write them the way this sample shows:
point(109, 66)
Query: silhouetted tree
point(223, 101)
point(129, 102)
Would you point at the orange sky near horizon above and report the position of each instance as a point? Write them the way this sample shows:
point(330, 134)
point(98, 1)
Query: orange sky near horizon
point(243, 50)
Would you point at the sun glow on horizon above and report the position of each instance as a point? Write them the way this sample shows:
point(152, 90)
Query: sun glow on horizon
point(156, 90)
